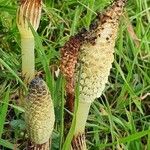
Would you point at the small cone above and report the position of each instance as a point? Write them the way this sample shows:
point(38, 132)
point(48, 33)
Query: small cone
point(39, 112)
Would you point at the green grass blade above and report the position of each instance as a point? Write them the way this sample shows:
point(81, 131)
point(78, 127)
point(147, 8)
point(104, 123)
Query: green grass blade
point(44, 60)
point(75, 20)
point(72, 128)
point(3, 111)
point(7, 144)
point(129, 138)
point(62, 113)
point(12, 72)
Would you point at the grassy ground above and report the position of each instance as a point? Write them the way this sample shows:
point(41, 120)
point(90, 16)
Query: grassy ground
point(120, 119)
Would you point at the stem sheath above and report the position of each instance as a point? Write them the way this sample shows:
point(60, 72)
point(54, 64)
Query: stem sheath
point(45, 146)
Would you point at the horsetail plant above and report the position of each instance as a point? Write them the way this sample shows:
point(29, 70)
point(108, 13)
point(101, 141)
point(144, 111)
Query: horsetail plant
point(89, 58)
point(29, 13)
point(39, 109)
point(39, 115)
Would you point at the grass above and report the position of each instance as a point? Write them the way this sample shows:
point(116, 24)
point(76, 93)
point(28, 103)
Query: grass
point(120, 118)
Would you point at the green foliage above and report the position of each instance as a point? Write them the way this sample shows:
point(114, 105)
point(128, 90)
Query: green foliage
point(120, 118)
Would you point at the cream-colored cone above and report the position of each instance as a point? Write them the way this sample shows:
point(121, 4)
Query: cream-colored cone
point(39, 112)
point(94, 64)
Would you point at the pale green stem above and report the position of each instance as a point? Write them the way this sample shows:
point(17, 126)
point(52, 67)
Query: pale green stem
point(81, 117)
point(78, 142)
point(27, 46)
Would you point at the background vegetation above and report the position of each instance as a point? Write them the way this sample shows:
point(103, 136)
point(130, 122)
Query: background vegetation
point(120, 119)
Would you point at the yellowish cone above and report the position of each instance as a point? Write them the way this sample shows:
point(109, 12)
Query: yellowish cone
point(39, 112)
point(96, 53)
point(94, 64)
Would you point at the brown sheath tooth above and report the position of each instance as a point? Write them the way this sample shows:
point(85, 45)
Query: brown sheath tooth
point(32, 146)
point(78, 142)
point(29, 11)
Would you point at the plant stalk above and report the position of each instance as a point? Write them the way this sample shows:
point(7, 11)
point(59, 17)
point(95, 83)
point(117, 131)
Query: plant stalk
point(29, 13)
point(78, 142)
point(28, 66)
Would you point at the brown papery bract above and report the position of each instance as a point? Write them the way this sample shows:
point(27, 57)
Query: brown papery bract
point(69, 56)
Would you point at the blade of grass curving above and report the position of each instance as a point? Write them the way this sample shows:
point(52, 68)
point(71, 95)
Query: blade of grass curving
point(3, 111)
point(43, 58)
point(7, 144)
point(67, 144)
point(21, 109)
point(68, 140)
point(62, 113)
point(75, 20)
point(90, 13)
point(9, 9)
point(88, 7)
point(13, 73)
point(148, 141)
point(69, 137)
